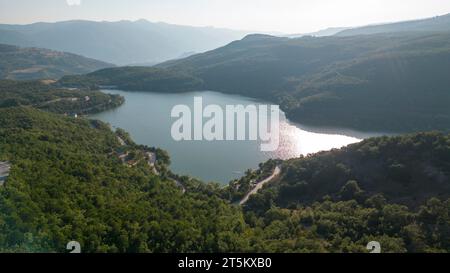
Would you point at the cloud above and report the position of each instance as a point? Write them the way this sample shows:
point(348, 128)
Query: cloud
point(73, 2)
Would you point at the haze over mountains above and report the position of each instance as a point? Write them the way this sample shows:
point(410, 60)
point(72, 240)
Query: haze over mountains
point(36, 63)
point(438, 23)
point(122, 42)
point(394, 81)
point(143, 42)
point(394, 78)
point(321, 33)
point(74, 178)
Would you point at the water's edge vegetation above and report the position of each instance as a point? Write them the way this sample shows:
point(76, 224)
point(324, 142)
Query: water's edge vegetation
point(392, 82)
point(76, 179)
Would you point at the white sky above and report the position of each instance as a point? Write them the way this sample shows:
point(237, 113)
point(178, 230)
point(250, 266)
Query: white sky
point(288, 16)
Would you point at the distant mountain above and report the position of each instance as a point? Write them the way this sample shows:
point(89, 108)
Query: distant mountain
point(439, 23)
point(150, 64)
point(122, 42)
point(36, 63)
point(321, 33)
point(384, 82)
point(136, 78)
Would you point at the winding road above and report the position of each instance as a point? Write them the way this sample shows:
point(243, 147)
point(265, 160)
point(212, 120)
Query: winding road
point(260, 184)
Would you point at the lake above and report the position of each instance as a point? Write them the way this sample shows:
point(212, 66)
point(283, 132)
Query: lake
point(147, 117)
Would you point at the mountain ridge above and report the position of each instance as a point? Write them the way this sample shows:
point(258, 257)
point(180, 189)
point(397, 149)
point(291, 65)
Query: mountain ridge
point(120, 42)
point(436, 23)
point(359, 82)
point(18, 63)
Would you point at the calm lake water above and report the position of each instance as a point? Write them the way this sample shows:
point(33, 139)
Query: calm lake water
point(147, 116)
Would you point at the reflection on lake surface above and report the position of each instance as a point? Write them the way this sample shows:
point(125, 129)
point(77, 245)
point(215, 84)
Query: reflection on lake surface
point(147, 117)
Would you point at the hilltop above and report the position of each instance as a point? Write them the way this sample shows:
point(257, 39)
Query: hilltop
point(434, 24)
point(383, 82)
point(18, 63)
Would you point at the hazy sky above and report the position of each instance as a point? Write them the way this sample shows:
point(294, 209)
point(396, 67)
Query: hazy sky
point(289, 16)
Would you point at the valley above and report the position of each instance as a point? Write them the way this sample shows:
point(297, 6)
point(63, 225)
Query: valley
point(380, 82)
point(88, 152)
point(147, 117)
point(65, 186)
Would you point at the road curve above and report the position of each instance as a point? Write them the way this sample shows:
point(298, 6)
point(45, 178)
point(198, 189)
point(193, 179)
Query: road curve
point(260, 184)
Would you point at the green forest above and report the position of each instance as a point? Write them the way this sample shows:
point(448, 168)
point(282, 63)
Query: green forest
point(68, 183)
point(391, 82)
point(72, 178)
point(18, 63)
point(136, 79)
point(44, 95)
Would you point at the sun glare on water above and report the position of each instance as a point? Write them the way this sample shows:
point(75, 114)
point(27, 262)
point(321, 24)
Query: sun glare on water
point(295, 142)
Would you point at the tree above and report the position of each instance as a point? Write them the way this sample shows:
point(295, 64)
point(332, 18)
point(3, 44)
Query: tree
point(350, 190)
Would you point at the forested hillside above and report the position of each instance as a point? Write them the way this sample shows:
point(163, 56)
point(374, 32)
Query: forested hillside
point(77, 179)
point(385, 82)
point(36, 63)
point(44, 95)
point(407, 170)
point(396, 189)
point(67, 182)
point(136, 79)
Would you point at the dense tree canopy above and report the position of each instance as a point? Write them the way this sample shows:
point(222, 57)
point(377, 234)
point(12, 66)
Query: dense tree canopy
point(68, 183)
point(44, 95)
point(137, 79)
point(394, 82)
